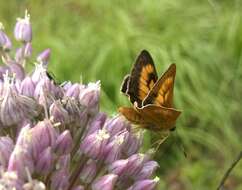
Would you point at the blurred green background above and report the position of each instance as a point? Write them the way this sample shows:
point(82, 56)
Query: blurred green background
point(99, 40)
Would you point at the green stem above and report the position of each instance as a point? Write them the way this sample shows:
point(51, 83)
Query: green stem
point(226, 175)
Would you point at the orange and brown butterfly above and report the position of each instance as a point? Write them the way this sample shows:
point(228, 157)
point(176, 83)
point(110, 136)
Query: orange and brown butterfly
point(152, 98)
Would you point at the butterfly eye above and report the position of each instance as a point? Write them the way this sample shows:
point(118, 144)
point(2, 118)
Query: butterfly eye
point(173, 128)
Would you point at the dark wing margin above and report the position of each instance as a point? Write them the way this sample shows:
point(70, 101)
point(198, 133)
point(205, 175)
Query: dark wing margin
point(142, 78)
point(124, 86)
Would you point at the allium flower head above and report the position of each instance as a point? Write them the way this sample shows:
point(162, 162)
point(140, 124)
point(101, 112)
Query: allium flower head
point(54, 137)
point(23, 29)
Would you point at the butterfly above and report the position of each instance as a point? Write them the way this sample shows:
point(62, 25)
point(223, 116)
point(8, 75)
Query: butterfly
point(152, 98)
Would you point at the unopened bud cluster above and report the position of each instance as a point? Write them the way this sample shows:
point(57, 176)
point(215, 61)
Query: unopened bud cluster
point(53, 136)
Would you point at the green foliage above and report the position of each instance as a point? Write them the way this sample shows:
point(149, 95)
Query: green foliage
point(99, 40)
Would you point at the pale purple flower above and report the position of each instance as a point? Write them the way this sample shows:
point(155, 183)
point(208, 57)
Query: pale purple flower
point(27, 50)
point(64, 143)
point(58, 113)
point(6, 148)
point(17, 70)
point(119, 167)
point(23, 29)
point(89, 97)
point(147, 184)
point(94, 144)
point(89, 171)
point(44, 162)
point(5, 42)
point(106, 182)
point(27, 87)
point(44, 57)
point(60, 179)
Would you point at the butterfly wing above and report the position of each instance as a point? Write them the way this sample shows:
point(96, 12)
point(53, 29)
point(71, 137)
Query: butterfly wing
point(132, 115)
point(159, 117)
point(162, 92)
point(124, 86)
point(142, 78)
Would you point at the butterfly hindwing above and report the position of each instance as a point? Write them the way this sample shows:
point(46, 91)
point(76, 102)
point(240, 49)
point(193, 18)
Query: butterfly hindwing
point(160, 118)
point(142, 78)
point(162, 92)
point(132, 115)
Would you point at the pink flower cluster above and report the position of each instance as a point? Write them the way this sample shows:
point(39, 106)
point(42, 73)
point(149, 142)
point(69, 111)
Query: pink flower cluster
point(53, 136)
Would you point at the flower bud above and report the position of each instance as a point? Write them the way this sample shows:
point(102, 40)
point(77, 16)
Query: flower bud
point(148, 184)
point(24, 138)
point(45, 85)
point(45, 92)
point(8, 44)
point(15, 108)
point(27, 50)
point(89, 97)
point(39, 73)
point(147, 170)
point(135, 164)
point(43, 135)
point(58, 113)
point(60, 180)
point(44, 161)
point(34, 185)
point(96, 123)
point(44, 57)
point(116, 124)
point(118, 167)
point(6, 148)
point(64, 143)
point(17, 70)
point(106, 182)
point(23, 52)
point(74, 112)
point(27, 87)
point(19, 54)
point(93, 145)
point(113, 149)
point(89, 171)
point(3, 70)
point(19, 161)
point(64, 162)
point(5, 42)
point(73, 91)
point(23, 29)
point(134, 143)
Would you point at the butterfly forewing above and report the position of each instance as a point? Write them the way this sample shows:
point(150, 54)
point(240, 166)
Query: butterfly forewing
point(142, 78)
point(162, 92)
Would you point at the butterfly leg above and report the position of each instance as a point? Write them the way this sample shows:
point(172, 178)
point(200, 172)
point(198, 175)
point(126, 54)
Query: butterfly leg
point(160, 141)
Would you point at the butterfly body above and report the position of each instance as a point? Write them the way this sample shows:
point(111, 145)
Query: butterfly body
point(151, 97)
